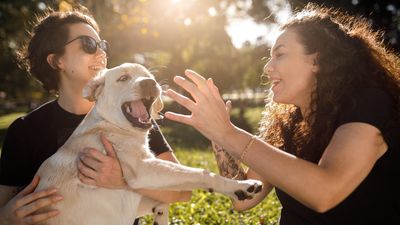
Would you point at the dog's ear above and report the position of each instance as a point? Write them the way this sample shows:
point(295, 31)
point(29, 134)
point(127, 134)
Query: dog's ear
point(157, 106)
point(94, 87)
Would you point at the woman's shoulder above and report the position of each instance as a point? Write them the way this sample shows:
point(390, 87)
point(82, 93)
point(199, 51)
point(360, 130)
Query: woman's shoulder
point(40, 114)
point(368, 98)
point(369, 94)
point(370, 105)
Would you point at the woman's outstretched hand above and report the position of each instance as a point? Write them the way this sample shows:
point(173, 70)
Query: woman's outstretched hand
point(209, 114)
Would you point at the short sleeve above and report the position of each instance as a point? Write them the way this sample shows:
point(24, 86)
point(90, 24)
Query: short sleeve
point(157, 142)
point(14, 157)
point(367, 105)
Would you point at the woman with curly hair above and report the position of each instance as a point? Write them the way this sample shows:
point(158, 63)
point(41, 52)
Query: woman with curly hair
point(330, 136)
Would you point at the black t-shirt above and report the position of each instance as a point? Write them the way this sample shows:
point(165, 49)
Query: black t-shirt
point(377, 199)
point(33, 138)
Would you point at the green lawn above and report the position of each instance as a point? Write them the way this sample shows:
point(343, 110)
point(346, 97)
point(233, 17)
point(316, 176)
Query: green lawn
point(213, 208)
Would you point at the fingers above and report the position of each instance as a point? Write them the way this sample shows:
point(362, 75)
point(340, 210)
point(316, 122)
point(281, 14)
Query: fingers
point(108, 146)
point(189, 87)
point(34, 196)
point(181, 99)
point(186, 119)
point(86, 171)
point(213, 88)
point(196, 78)
point(31, 187)
point(37, 204)
point(88, 161)
point(33, 219)
point(95, 154)
point(214, 91)
point(86, 180)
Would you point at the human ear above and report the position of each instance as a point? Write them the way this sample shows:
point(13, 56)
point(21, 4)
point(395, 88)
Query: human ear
point(315, 66)
point(54, 61)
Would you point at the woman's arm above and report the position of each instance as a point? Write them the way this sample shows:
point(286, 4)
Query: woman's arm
point(230, 167)
point(20, 208)
point(349, 157)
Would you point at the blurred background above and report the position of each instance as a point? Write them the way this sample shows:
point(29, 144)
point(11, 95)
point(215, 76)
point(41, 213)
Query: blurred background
point(227, 40)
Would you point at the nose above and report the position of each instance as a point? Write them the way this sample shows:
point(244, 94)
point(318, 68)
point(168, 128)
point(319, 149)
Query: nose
point(148, 87)
point(268, 68)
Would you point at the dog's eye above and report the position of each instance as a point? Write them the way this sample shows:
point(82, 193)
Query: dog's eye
point(124, 78)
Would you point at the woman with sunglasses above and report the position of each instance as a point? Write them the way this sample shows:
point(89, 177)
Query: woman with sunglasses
point(63, 54)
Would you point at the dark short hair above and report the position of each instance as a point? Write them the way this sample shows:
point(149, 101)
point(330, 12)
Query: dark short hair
point(49, 33)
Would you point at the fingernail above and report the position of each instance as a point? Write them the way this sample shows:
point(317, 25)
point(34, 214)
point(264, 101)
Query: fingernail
point(179, 78)
point(58, 198)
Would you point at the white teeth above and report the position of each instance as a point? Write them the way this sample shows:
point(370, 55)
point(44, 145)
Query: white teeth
point(128, 109)
point(274, 82)
point(143, 121)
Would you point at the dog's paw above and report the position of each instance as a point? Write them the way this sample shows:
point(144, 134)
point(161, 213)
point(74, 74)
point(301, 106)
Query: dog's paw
point(251, 188)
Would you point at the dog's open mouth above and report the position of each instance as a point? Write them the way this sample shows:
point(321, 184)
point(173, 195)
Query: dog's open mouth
point(138, 112)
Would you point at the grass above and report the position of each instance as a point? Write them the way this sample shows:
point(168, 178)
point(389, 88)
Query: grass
point(213, 208)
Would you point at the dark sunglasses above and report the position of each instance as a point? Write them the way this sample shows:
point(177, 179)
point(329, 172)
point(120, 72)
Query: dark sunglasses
point(89, 44)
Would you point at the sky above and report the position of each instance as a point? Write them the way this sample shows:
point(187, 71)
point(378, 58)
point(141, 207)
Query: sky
point(242, 29)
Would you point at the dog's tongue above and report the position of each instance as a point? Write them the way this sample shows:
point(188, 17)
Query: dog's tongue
point(139, 110)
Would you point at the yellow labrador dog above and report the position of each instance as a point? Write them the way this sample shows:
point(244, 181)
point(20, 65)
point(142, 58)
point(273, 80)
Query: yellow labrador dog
point(127, 99)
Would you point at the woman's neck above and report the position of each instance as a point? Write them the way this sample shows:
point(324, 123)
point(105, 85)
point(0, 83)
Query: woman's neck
point(73, 102)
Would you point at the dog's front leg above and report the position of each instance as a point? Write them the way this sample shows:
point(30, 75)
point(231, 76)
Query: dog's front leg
point(160, 174)
point(159, 210)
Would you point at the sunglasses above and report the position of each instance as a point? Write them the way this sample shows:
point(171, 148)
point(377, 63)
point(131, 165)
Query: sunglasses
point(89, 44)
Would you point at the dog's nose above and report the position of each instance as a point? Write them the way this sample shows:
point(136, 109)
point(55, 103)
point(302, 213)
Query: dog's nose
point(149, 87)
point(147, 83)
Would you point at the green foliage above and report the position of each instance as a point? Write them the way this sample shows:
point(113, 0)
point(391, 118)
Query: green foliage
point(166, 37)
point(213, 208)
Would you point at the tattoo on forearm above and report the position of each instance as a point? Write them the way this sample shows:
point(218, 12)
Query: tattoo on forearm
point(228, 165)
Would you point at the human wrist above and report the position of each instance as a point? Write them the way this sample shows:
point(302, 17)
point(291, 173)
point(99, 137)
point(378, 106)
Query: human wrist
point(226, 137)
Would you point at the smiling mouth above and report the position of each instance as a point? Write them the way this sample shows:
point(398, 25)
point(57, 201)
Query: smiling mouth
point(275, 82)
point(138, 112)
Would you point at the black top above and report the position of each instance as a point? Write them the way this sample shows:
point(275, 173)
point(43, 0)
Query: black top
point(377, 199)
point(33, 138)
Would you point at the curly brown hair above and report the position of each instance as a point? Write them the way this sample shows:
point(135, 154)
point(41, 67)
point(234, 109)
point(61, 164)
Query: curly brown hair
point(349, 55)
point(49, 34)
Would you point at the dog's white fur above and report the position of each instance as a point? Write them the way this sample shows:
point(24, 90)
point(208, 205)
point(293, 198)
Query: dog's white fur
point(88, 205)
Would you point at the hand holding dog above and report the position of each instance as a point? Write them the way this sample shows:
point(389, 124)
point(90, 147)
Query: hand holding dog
point(21, 210)
point(101, 170)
